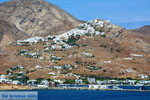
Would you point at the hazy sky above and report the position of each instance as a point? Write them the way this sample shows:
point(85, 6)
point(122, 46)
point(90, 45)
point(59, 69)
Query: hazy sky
point(118, 11)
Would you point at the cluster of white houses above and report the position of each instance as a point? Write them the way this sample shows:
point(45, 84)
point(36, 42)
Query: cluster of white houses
point(92, 82)
point(83, 29)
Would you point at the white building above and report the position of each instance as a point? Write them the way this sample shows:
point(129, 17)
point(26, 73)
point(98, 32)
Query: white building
point(131, 82)
point(130, 71)
point(45, 82)
point(52, 73)
point(31, 82)
point(98, 86)
point(59, 81)
point(58, 67)
point(144, 82)
point(143, 76)
point(107, 62)
point(128, 58)
point(99, 82)
point(56, 47)
point(42, 86)
point(87, 54)
point(91, 80)
point(137, 55)
point(32, 40)
point(79, 81)
point(15, 82)
point(2, 78)
point(37, 66)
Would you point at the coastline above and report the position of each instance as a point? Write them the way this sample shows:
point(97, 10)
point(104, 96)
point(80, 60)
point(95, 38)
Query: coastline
point(4, 86)
point(67, 88)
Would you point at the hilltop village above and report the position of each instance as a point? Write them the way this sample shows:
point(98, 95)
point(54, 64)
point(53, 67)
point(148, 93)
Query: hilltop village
point(93, 53)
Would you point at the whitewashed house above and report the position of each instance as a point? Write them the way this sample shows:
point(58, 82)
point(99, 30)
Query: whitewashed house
point(143, 76)
point(41, 58)
point(56, 47)
point(87, 54)
point(128, 58)
point(32, 82)
point(15, 82)
point(130, 71)
point(107, 62)
point(37, 66)
point(31, 40)
point(98, 86)
point(144, 82)
point(42, 86)
point(59, 81)
point(99, 82)
point(137, 55)
point(91, 80)
point(58, 67)
point(131, 82)
point(45, 82)
point(19, 67)
point(2, 78)
point(79, 81)
point(52, 73)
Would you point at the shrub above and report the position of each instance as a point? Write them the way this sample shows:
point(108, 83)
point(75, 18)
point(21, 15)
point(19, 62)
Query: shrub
point(104, 70)
point(104, 36)
point(72, 39)
point(39, 80)
point(104, 46)
point(69, 81)
point(118, 50)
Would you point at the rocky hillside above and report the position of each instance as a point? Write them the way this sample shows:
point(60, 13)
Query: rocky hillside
point(9, 33)
point(95, 48)
point(35, 18)
point(145, 30)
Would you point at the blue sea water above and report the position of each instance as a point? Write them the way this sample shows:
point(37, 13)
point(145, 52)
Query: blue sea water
point(92, 94)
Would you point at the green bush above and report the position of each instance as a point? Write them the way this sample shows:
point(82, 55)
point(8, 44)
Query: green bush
point(118, 50)
point(39, 80)
point(72, 39)
point(69, 81)
point(104, 46)
point(104, 36)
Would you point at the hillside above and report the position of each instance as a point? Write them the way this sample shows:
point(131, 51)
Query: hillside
point(9, 33)
point(95, 48)
point(34, 18)
point(145, 30)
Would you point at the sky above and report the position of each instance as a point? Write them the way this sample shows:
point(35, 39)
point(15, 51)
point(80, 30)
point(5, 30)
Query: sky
point(122, 12)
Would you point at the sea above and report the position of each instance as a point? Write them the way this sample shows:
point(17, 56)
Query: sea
point(91, 94)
